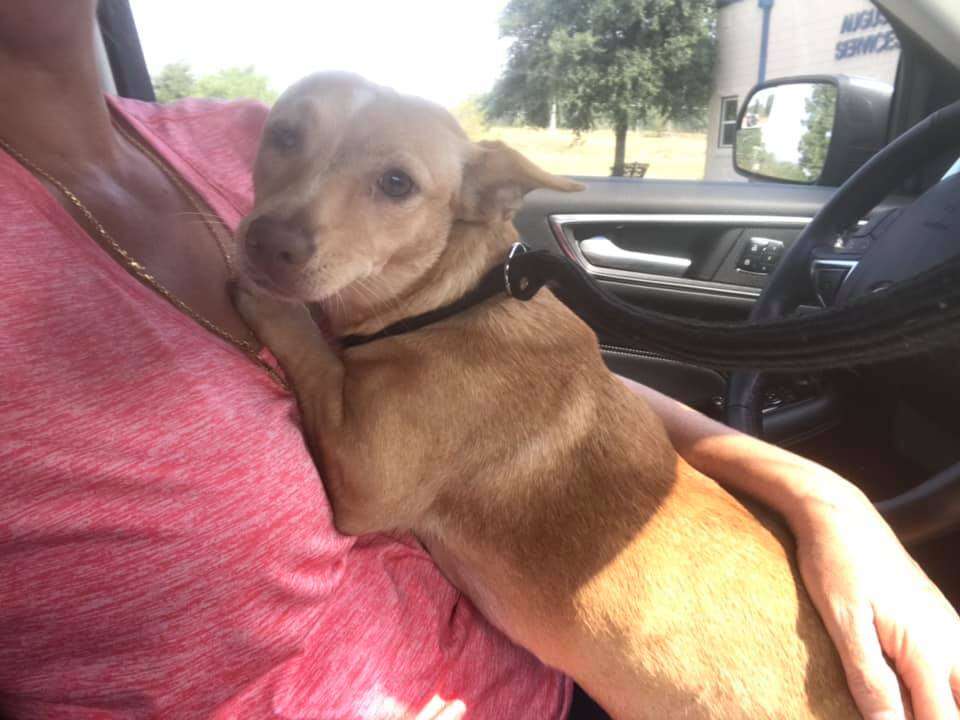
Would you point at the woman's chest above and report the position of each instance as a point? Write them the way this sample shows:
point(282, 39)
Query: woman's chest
point(161, 231)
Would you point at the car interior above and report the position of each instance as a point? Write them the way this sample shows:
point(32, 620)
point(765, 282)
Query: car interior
point(708, 250)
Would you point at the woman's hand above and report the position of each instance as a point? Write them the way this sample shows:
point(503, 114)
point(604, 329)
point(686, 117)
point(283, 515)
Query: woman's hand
point(876, 601)
point(873, 598)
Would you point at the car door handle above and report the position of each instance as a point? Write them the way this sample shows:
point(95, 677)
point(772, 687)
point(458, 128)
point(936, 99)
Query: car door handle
point(603, 253)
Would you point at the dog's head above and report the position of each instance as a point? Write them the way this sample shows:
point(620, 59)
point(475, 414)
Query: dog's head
point(357, 189)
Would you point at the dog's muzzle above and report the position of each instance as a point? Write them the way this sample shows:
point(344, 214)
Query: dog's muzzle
point(277, 248)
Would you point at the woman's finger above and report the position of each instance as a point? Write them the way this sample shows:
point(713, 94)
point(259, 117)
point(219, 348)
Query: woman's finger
point(873, 683)
point(930, 692)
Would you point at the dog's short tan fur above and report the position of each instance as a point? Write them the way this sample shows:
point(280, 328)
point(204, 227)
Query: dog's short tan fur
point(542, 486)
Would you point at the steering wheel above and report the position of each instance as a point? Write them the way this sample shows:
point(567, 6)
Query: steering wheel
point(868, 259)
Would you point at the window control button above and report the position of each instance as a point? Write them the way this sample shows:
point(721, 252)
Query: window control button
point(760, 255)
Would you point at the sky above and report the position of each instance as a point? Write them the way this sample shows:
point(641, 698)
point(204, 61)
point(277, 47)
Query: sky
point(784, 131)
point(443, 50)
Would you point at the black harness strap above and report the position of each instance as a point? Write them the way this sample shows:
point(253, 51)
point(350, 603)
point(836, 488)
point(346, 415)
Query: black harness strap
point(914, 316)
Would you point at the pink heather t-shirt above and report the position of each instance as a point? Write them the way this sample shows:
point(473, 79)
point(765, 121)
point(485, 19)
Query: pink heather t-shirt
point(166, 547)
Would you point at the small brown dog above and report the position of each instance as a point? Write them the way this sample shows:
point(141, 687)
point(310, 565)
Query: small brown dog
point(548, 492)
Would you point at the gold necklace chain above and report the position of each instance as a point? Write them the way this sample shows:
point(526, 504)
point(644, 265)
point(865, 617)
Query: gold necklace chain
point(136, 267)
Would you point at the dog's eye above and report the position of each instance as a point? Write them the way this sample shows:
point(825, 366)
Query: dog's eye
point(284, 137)
point(396, 184)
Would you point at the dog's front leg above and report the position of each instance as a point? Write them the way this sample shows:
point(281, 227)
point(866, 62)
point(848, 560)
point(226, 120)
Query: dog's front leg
point(311, 366)
point(341, 438)
point(317, 376)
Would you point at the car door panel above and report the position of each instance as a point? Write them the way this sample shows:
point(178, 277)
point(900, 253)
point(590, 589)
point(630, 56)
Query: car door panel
point(682, 247)
point(707, 225)
point(699, 388)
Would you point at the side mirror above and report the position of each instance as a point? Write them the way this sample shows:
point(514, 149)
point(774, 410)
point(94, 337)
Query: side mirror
point(815, 130)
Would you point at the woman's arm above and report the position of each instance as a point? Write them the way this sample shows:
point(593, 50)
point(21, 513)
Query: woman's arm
point(874, 599)
point(779, 479)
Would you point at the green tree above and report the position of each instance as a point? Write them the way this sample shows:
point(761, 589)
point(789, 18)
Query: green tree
point(753, 155)
point(750, 150)
point(174, 82)
point(470, 115)
point(821, 108)
point(615, 62)
point(234, 83)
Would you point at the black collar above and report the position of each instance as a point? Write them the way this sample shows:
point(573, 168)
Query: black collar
point(497, 280)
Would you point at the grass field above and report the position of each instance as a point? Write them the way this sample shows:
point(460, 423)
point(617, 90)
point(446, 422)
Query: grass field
point(671, 155)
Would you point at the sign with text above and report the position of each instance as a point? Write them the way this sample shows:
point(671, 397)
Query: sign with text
point(883, 40)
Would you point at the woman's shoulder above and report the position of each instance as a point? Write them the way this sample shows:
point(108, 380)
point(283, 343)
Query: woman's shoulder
point(237, 115)
point(199, 128)
point(216, 139)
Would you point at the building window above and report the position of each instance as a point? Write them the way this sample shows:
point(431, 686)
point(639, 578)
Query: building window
point(728, 120)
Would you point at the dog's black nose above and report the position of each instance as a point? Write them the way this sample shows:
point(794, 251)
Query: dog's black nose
point(278, 245)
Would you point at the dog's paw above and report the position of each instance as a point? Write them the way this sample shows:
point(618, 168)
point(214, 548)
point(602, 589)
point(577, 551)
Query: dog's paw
point(271, 319)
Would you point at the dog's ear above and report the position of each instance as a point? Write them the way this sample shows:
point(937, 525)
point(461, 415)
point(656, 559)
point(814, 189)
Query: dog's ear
point(495, 179)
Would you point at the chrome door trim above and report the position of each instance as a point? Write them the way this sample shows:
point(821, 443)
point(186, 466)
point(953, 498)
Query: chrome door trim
point(602, 252)
point(680, 219)
point(571, 248)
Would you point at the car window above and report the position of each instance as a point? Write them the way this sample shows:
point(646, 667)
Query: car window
point(647, 89)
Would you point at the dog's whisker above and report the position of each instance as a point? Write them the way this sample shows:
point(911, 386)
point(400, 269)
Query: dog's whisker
point(390, 298)
point(379, 301)
point(364, 292)
point(205, 223)
point(204, 217)
point(209, 216)
point(364, 288)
